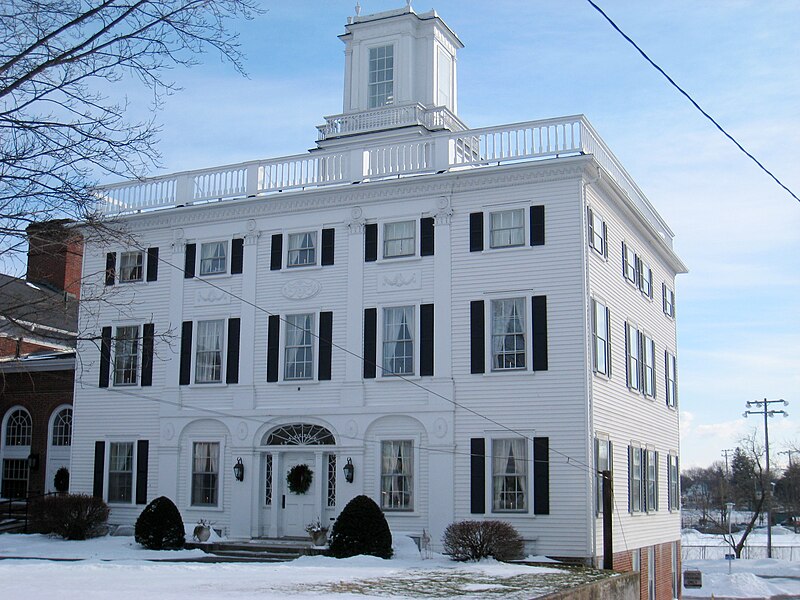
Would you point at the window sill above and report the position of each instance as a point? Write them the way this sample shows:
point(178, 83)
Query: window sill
point(398, 259)
point(508, 373)
point(210, 384)
point(300, 268)
point(601, 375)
point(296, 382)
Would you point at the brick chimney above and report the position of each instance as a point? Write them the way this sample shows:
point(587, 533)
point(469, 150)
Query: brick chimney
point(55, 256)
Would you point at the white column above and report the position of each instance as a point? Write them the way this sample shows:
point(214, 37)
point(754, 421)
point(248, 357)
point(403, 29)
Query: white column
point(352, 391)
point(244, 398)
point(242, 492)
point(173, 366)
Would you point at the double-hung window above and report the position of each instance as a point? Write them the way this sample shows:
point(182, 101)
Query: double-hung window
point(651, 479)
point(601, 337)
point(648, 366)
point(670, 376)
point(399, 239)
point(131, 267)
point(629, 263)
point(509, 475)
point(635, 477)
point(632, 351)
point(507, 228)
point(120, 472)
point(397, 475)
point(299, 351)
point(126, 355)
point(673, 482)
point(645, 276)
point(668, 301)
point(602, 463)
point(208, 352)
point(508, 334)
point(597, 233)
point(205, 473)
point(302, 249)
point(398, 340)
point(213, 258)
point(381, 76)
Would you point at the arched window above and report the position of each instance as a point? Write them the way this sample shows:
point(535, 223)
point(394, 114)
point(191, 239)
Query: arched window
point(62, 428)
point(19, 428)
point(300, 434)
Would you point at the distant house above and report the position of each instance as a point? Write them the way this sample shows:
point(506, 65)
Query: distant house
point(38, 328)
point(460, 323)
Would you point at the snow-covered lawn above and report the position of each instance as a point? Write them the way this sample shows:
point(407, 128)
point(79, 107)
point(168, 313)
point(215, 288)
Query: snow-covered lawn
point(118, 565)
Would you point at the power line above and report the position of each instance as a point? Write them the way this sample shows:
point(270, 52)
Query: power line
point(692, 100)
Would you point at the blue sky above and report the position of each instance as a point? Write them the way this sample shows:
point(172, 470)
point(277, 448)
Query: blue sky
point(739, 233)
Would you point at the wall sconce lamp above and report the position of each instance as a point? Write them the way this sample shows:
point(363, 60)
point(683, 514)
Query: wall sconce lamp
point(33, 462)
point(238, 470)
point(349, 471)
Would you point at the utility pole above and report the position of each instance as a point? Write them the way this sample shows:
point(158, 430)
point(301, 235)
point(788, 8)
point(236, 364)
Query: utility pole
point(725, 452)
point(764, 409)
point(789, 453)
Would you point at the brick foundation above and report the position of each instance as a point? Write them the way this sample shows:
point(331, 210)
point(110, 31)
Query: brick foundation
point(623, 561)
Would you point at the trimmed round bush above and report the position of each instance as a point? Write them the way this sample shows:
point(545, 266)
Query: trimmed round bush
point(160, 526)
point(474, 540)
point(61, 480)
point(71, 516)
point(361, 528)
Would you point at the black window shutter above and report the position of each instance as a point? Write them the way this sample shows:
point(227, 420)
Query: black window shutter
point(477, 335)
point(99, 469)
point(608, 337)
point(237, 255)
point(276, 256)
point(186, 353)
point(605, 240)
point(370, 341)
point(273, 341)
point(325, 345)
point(142, 452)
point(426, 339)
point(188, 265)
point(476, 232)
point(630, 479)
point(111, 267)
point(232, 368)
point(426, 238)
point(477, 476)
point(105, 357)
point(370, 242)
point(624, 260)
point(148, 338)
point(537, 225)
point(541, 476)
point(328, 246)
point(539, 332)
point(152, 264)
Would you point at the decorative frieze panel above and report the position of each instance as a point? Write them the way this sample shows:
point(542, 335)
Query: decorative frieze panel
point(400, 280)
point(301, 289)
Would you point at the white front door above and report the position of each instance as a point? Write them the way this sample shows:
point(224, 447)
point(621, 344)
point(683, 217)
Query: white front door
point(298, 509)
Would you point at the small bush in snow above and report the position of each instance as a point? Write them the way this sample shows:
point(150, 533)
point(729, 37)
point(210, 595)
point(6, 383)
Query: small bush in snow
point(160, 526)
point(361, 528)
point(72, 516)
point(473, 540)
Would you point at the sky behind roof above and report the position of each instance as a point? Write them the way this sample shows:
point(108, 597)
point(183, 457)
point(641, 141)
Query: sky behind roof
point(736, 230)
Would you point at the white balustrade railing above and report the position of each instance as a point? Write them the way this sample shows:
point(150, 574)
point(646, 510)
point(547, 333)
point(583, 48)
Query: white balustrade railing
point(432, 153)
point(389, 117)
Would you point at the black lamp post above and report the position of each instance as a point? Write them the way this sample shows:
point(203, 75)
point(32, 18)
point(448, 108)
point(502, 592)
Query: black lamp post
point(238, 470)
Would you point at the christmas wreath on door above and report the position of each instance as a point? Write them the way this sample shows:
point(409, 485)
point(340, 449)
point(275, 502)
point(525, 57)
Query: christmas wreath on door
point(299, 478)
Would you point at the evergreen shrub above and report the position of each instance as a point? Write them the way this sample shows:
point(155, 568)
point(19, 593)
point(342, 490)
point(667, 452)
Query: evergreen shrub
point(361, 528)
point(61, 480)
point(160, 526)
point(473, 540)
point(71, 516)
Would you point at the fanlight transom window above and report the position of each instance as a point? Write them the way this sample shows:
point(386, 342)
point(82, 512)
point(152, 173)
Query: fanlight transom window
point(300, 434)
point(18, 429)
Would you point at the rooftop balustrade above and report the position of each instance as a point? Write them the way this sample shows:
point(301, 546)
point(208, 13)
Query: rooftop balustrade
point(435, 152)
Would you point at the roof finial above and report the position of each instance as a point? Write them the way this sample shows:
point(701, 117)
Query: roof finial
point(358, 8)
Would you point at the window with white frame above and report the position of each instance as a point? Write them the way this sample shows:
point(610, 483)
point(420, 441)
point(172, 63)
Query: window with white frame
point(650, 458)
point(508, 334)
point(629, 261)
point(602, 463)
point(399, 239)
point(509, 475)
point(205, 473)
point(670, 375)
point(120, 472)
point(398, 340)
point(299, 350)
point(651, 573)
point(645, 277)
point(397, 475)
point(597, 233)
point(208, 352)
point(126, 355)
point(381, 76)
point(302, 249)
point(673, 483)
point(131, 266)
point(648, 366)
point(632, 351)
point(213, 258)
point(62, 428)
point(676, 575)
point(601, 337)
point(507, 228)
point(668, 301)
point(635, 477)
point(19, 428)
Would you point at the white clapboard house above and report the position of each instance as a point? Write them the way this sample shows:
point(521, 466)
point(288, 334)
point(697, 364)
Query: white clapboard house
point(460, 323)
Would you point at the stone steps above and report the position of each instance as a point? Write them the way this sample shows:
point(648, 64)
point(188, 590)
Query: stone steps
point(259, 550)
